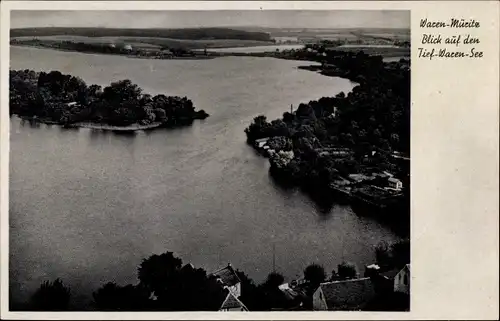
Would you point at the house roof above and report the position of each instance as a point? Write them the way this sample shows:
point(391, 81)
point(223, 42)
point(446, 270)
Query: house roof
point(391, 274)
point(227, 275)
point(348, 294)
point(393, 180)
point(232, 302)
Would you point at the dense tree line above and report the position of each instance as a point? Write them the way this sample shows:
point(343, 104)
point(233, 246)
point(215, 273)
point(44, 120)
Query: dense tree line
point(166, 284)
point(65, 99)
point(188, 33)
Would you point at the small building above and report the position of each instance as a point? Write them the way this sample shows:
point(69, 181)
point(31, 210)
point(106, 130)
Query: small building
point(167, 53)
point(349, 295)
point(73, 104)
point(231, 285)
point(402, 280)
point(395, 183)
point(127, 47)
point(359, 178)
point(228, 278)
point(260, 143)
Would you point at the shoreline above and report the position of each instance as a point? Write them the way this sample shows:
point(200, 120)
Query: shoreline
point(130, 128)
point(89, 125)
point(112, 54)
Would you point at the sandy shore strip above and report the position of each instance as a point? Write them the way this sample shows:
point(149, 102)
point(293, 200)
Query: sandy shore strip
point(133, 127)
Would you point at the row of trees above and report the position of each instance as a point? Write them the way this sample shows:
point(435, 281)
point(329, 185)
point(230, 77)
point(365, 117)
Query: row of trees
point(65, 99)
point(183, 33)
point(165, 284)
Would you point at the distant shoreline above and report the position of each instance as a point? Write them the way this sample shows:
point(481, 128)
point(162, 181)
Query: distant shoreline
point(113, 54)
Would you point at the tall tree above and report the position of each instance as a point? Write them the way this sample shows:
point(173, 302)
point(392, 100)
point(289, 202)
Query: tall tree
point(51, 296)
point(315, 274)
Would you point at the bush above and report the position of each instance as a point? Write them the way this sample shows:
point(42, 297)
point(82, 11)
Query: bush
point(347, 270)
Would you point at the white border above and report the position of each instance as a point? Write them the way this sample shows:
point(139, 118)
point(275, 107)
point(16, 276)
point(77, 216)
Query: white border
point(445, 290)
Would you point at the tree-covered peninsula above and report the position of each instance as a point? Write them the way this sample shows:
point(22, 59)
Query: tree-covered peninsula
point(355, 145)
point(67, 100)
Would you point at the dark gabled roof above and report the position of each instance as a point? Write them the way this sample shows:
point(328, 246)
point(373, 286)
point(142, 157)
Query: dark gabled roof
point(232, 302)
point(349, 294)
point(391, 274)
point(227, 275)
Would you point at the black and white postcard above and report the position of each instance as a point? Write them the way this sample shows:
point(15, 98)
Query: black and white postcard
point(248, 159)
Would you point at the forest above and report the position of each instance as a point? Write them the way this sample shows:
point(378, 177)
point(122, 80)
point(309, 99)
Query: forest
point(371, 123)
point(64, 99)
point(187, 33)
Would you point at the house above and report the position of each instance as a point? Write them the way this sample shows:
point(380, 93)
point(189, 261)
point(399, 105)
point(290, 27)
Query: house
point(228, 278)
point(73, 104)
point(231, 284)
point(260, 143)
point(127, 47)
point(394, 183)
point(402, 280)
point(166, 53)
point(353, 294)
point(400, 156)
point(358, 178)
point(294, 296)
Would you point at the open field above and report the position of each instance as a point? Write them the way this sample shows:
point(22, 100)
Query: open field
point(149, 42)
point(384, 51)
point(396, 33)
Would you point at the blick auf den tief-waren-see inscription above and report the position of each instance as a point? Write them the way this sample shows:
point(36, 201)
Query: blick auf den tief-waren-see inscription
point(445, 45)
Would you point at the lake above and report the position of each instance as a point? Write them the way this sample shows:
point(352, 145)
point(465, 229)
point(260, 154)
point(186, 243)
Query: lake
point(87, 206)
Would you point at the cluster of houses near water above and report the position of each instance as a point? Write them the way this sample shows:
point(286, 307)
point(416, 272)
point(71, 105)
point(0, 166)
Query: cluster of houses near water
point(351, 294)
point(375, 188)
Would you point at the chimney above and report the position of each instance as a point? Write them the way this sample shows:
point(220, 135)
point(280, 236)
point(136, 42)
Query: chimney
point(372, 270)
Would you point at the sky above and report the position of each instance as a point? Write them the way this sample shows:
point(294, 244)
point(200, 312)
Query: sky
point(234, 18)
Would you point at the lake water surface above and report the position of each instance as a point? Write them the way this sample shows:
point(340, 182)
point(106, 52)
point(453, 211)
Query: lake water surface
point(88, 206)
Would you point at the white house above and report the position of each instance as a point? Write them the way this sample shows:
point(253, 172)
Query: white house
point(231, 283)
point(73, 104)
point(402, 280)
point(395, 183)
